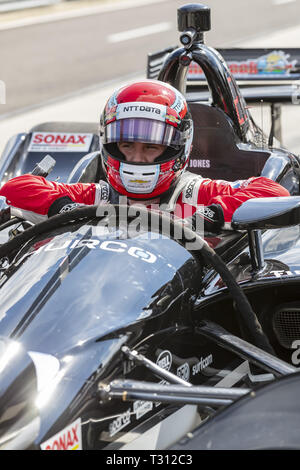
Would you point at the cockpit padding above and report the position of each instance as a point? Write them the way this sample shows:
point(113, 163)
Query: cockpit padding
point(215, 153)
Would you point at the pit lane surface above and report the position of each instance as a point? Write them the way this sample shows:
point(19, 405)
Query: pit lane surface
point(44, 61)
point(56, 69)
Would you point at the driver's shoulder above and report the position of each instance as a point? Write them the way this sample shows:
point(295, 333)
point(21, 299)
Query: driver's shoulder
point(189, 187)
point(183, 190)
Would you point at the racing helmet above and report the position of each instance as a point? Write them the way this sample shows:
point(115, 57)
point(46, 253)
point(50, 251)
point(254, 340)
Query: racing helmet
point(147, 111)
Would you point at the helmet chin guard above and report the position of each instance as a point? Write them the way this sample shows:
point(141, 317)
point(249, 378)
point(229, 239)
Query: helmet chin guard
point(139, 179)
point(148, 112)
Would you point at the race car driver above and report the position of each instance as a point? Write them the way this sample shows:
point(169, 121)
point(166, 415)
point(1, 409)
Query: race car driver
point(146, 134)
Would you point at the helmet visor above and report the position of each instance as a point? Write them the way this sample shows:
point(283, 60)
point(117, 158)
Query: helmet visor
point(143, 130)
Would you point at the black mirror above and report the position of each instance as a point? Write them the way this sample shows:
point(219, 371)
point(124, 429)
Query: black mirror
point(267, 213)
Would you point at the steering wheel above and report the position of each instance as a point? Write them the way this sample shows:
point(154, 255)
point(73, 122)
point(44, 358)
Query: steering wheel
point(177, 230)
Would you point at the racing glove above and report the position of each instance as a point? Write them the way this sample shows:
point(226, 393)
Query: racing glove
point(62, 204)
point(210, 218)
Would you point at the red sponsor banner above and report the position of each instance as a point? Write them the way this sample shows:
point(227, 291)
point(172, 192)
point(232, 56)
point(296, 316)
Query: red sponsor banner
point(67, 439)
point(60, 142)
point(273, 64)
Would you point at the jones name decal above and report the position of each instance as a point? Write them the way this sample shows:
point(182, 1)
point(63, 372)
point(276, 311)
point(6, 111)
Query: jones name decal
point(195, 163)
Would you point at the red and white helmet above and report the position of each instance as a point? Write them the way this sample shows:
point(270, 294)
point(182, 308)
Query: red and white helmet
point(148, 111)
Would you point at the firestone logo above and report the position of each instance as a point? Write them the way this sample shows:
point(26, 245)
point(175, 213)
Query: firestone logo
point(2, 92)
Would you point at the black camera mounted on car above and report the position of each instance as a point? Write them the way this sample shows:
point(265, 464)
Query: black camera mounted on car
point(193, 20)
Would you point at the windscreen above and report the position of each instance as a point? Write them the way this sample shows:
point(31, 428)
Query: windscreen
point(78, 285)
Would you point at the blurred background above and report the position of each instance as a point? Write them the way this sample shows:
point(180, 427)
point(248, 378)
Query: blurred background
point(60, 59)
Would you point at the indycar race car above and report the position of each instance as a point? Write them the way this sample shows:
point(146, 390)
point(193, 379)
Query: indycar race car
point(118, 338)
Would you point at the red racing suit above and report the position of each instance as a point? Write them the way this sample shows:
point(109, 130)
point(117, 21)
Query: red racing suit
point(33, 197)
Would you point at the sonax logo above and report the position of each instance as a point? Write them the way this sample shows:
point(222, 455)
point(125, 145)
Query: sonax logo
point(60, 142)
point(67, 439)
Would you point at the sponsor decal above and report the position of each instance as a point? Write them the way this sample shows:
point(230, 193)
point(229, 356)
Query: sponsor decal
point(104, 191)
point(119, 423)
point(111, 115)
point(237, 184)
point(189, 190)
point(68, 439)
point(138, 181)
point(112, 101)
point(92, 244)
point(202, 364)
point(69, 207)
point(141, 110)
point(276, 63)
point(164, 360)
point(206, 212)
point(283, 273)
point(183, 371)
point(195, 163)
point(59, 142)
point(173, 119)
point(140, 408)
point(178, 104)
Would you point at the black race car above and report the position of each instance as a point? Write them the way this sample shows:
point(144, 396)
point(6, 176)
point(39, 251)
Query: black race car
point(113, 337)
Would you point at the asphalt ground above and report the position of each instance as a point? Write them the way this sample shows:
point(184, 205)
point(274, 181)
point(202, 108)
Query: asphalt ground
point(61, 63)
point(58, 53)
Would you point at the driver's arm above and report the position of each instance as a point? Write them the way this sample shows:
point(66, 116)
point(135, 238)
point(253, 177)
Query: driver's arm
point(34, 198)
point(221, 198)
